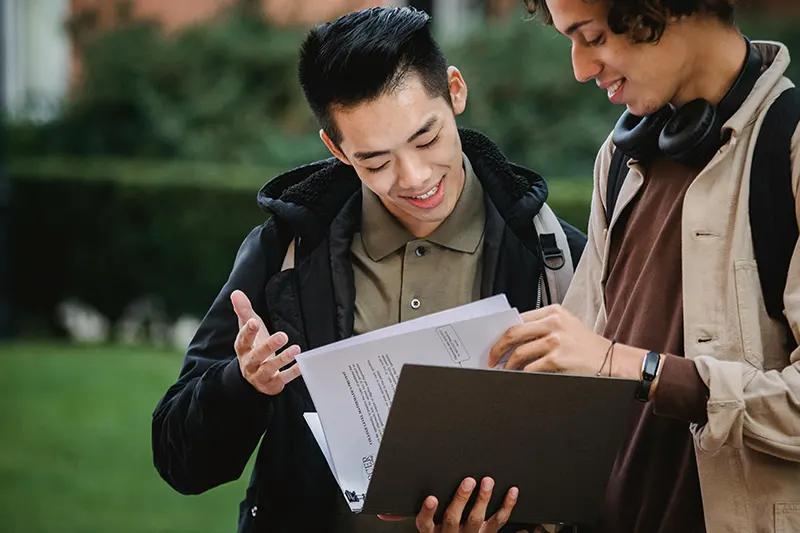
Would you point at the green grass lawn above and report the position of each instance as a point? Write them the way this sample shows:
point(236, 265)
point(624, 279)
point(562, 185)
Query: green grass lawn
point(75, 445)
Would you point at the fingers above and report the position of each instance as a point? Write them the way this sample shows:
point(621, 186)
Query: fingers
point(269, 379)
point(542, 365)
point(242, 307)
point(290, 373)
point(245, 338)
point(502, 515)
point(264, 350)
point(515, 336)
point(261, 353)
point(530, 352)
point(424, 521)
point(452, 515)
point(477, 516)
point(543, 312)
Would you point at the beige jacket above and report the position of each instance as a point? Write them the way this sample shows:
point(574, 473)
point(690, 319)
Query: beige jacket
point(748, 453)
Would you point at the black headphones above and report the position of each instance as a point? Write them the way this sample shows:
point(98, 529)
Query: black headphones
point(692, 134)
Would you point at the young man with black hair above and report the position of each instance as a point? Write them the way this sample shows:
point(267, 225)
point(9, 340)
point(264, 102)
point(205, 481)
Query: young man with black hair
point(690, 282)
point(411, 216)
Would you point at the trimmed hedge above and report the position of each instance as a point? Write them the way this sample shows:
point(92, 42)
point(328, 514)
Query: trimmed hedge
point(226, 90)
point(108, 239)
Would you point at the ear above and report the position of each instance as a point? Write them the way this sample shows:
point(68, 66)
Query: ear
point(333, 148)
point(458, 90)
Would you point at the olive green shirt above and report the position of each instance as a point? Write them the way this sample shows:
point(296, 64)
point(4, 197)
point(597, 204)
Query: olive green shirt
point(399, 277)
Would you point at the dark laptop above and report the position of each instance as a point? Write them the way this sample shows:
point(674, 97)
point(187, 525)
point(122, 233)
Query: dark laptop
point(554, 436)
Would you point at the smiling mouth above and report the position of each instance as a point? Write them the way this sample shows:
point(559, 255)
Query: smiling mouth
point(427, 194)
point(613, 89)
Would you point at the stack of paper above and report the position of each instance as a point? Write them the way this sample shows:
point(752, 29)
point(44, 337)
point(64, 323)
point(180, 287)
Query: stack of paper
point(352, 382)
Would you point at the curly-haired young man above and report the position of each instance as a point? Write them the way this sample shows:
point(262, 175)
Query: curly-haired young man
point(673, 269)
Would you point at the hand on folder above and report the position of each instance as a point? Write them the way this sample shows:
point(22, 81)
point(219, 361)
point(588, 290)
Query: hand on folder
point(551, 339)
point(256, 350)
point(476, 521)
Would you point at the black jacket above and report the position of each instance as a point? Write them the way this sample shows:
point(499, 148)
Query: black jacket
point(210, 422)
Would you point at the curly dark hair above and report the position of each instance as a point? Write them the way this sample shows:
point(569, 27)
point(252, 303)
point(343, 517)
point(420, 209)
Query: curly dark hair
point(645, 20)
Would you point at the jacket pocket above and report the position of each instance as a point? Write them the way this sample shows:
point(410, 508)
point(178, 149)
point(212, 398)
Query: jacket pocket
point(787, 517)
point(749, 302)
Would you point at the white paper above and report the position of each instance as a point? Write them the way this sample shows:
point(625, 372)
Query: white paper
point(352, 384)
point(312, 419)
point(487, 306)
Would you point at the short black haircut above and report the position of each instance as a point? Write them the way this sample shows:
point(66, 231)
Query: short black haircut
point(363, 55)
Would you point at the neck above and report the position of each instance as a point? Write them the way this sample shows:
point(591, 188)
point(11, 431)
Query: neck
point(421, 230)
point(719, 58)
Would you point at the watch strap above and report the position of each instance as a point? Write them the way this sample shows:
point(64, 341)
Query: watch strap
point(649, 372)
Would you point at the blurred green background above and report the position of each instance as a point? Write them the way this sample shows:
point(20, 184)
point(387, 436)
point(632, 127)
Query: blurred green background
point(129, 199)
point(75, 446)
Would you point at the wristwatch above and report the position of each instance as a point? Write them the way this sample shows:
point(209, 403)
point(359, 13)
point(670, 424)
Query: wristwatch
point(649, 371)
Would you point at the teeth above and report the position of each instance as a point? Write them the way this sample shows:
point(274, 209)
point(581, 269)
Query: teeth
point(614, 88)
point(427, 194)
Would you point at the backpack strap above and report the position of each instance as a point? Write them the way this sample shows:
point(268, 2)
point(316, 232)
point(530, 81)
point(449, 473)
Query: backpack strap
point(617, 172)
point(557, 257)
point(773, 223)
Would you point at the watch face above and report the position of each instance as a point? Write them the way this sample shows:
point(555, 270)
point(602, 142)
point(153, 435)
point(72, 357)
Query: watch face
point(651, 361)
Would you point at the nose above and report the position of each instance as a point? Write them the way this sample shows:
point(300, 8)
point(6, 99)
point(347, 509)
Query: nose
point(584, 63)
point(412, 172)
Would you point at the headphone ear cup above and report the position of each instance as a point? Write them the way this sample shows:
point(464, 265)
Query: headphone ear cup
point(638, 136)
point(692, 135)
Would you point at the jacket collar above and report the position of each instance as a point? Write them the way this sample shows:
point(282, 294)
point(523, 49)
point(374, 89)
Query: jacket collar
point(776, 60)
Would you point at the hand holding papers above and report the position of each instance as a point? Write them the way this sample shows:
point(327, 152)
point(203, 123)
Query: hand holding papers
point(423, 393)
point(352, 382)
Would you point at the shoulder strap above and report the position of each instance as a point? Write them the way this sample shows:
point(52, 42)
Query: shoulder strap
point(617, 172)
point(773, 223)
point(557, 256)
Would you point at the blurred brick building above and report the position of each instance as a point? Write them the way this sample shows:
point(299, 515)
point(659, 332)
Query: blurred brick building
point(38, 62)
point(787, 7)
point(175, 13)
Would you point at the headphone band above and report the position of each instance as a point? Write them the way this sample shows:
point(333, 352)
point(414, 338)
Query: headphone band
point(692, 133)
point(743, 86)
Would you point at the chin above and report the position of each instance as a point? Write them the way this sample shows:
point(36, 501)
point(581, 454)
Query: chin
point(644, 109)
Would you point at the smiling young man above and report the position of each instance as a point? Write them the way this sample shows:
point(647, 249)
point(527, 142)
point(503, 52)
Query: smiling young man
point(672, 271)
point(411, 216)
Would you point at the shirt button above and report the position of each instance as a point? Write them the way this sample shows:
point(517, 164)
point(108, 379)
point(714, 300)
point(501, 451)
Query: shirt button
point(254, 510)
point(420, 251)
point(415, 303)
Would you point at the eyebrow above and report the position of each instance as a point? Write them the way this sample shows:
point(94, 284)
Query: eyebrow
point(369, 155)
point(424, 129)
point(576, 26)
point(363, 156)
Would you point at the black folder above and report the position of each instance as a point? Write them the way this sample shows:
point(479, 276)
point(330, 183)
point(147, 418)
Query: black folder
point(554, 436)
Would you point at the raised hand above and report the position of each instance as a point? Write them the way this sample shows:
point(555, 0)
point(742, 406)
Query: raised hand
point(257, 350)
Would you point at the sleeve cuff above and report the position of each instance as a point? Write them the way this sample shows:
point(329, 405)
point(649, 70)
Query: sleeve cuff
point(681, 393)
point(235, 387)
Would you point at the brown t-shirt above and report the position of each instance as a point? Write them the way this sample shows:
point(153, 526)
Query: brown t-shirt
point(654, 485)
